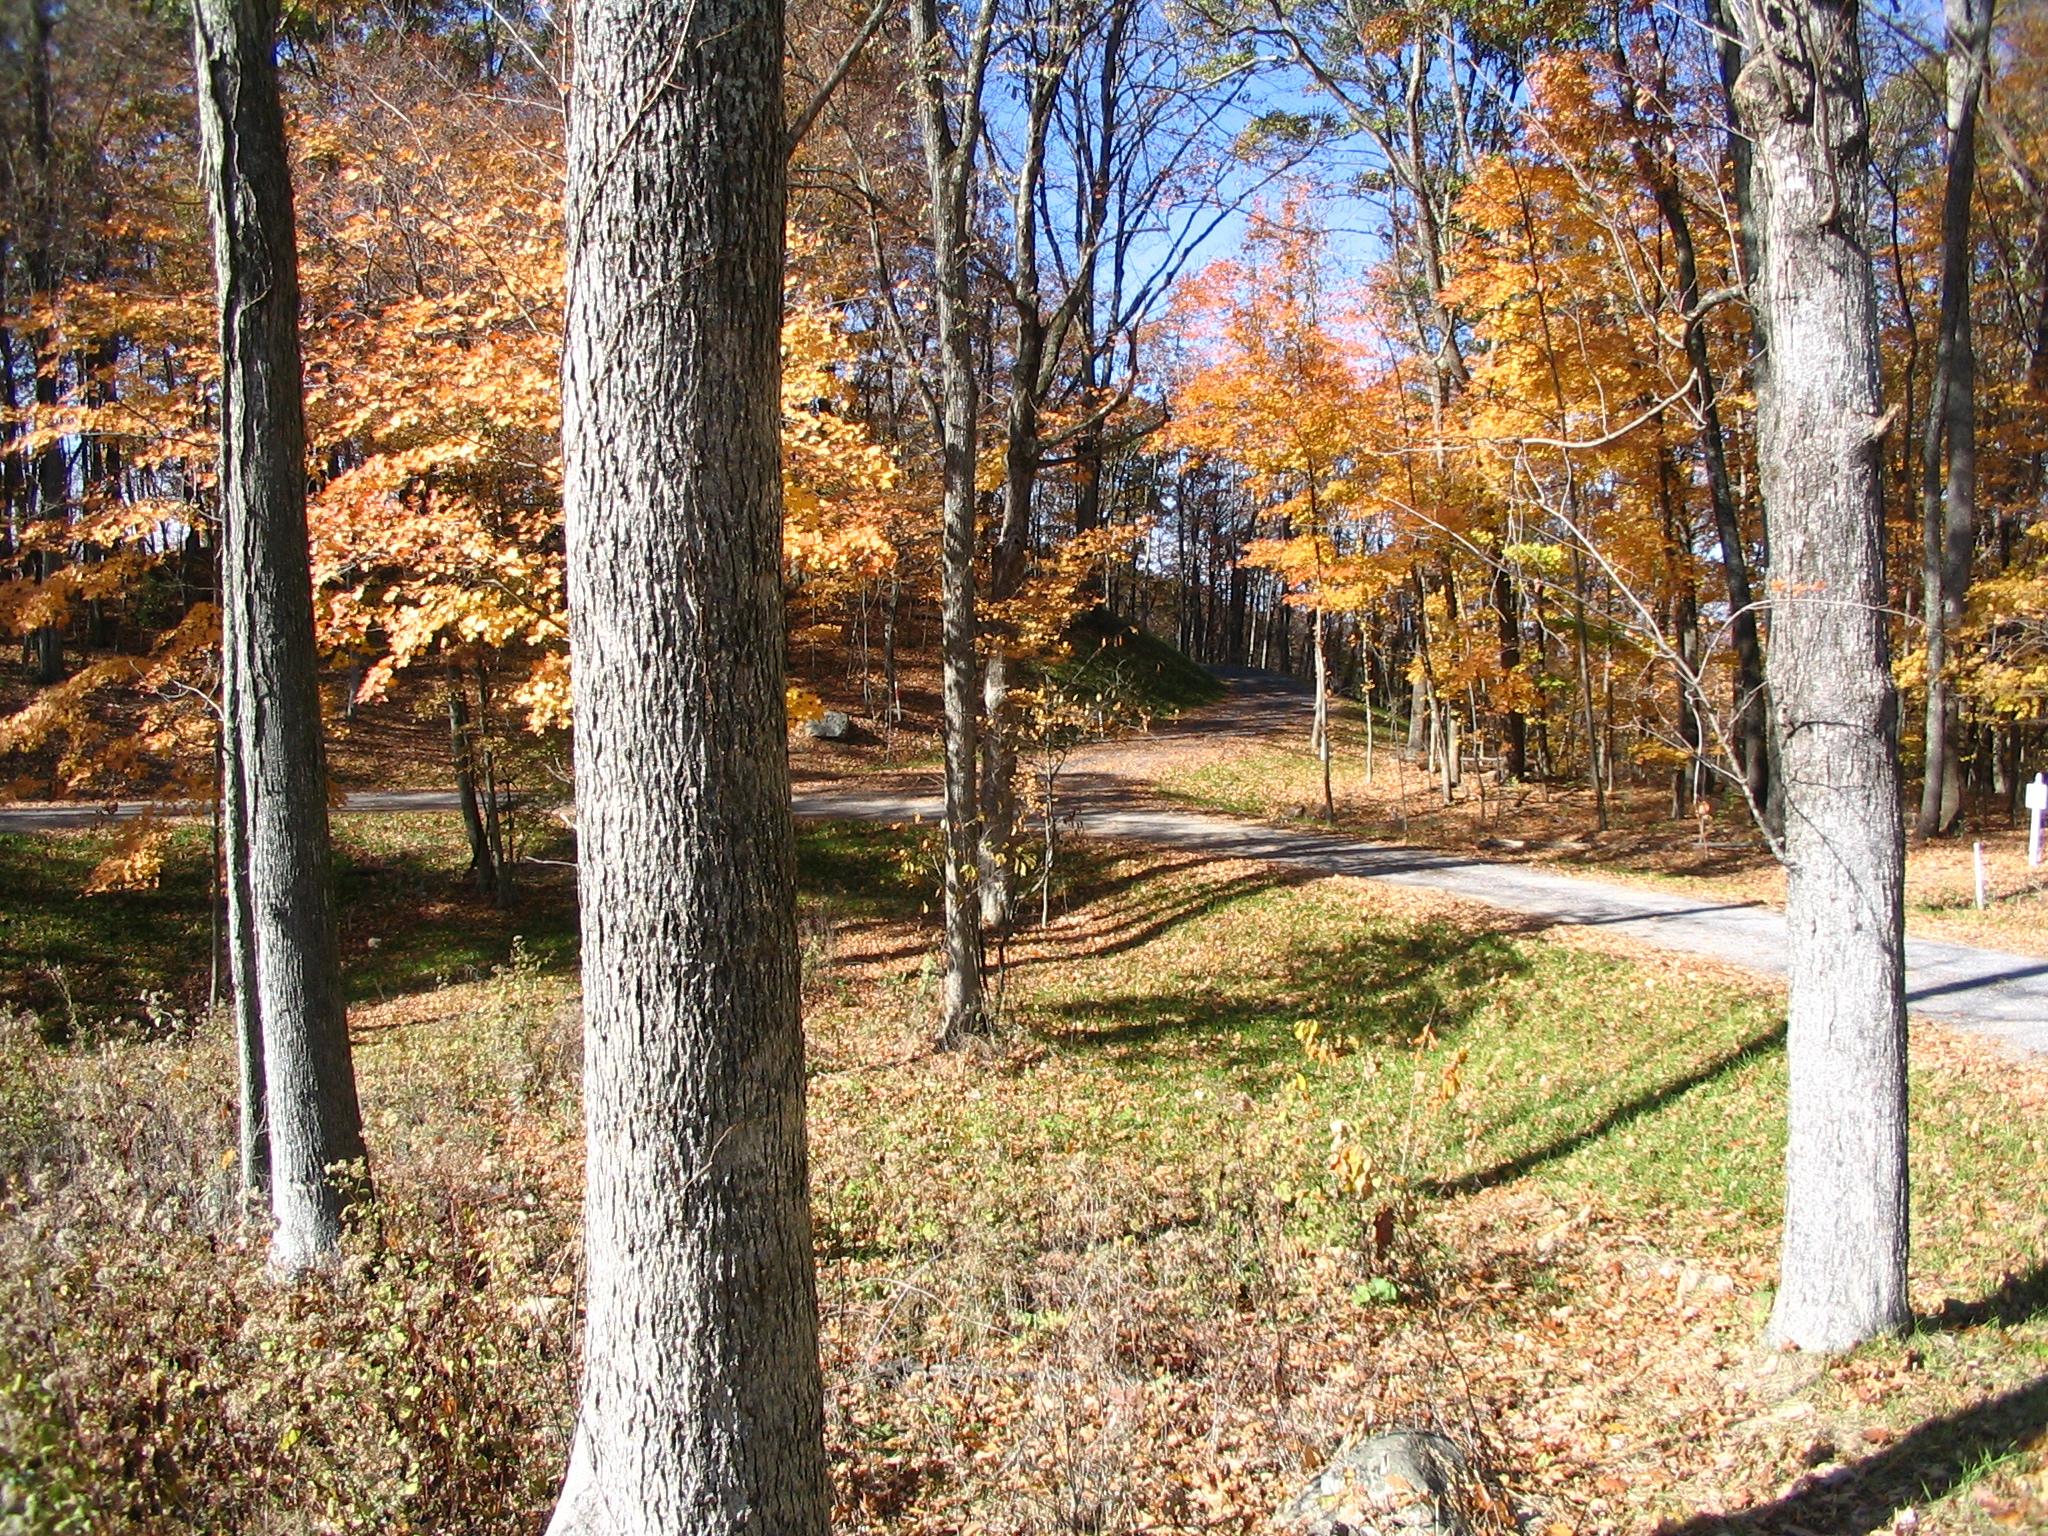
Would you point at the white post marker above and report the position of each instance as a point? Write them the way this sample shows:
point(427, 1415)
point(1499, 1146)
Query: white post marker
point(2037, 806)
point(1977, 852)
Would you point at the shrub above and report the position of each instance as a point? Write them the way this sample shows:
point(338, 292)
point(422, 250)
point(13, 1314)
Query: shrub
point(153, 1378)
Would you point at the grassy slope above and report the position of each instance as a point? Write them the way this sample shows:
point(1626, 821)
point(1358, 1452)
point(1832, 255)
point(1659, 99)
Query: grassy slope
point(1100, 1277)
point(1157, 678)
point(409, 920)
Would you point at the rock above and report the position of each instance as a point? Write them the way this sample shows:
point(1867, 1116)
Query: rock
point(1404, 1483)
point(833, 725)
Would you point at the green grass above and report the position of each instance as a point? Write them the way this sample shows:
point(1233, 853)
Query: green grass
point(861, 869)
point(408, 917)
point(1567, 1070)
point(1647, 1095)
point(1645, 1091)
point(1172, 1097)
point(1575, 1071)
point(76, 961)
point(1271, 780)
point(1153, 677)
point(1251, 783)
point(402, 882)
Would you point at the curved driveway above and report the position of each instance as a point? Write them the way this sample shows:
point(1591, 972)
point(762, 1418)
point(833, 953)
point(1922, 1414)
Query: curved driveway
point(1985, 990)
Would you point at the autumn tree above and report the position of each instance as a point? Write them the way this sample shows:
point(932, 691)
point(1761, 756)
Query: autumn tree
point(1279, 397)
point(1949, 445)
point(702, 1407)
point(1648, 99)
point(1113, 175)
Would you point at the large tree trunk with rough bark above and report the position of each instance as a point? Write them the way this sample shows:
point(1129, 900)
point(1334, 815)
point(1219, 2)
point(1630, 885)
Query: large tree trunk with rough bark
point(270, 694)
point(702, 1409)
point(1949, 502)
point(1844, 1258)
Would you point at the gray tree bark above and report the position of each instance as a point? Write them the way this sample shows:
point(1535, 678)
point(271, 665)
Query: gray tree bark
point(269, 666)
point(253, 1145)
point(702, 1409)
point(1949, 502)
point(950, 148)
point(1801, 98)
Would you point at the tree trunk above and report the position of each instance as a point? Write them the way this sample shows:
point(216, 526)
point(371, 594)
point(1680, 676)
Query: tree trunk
point(949, 165)
point(1949, 515)
point(702, 1405)
point(270, 680)
point(1595, 768)
point(1844, 1259)
point(486, 760)
point(462, 745)
point(1322, 717)
point(889, 617)
point(1686, 779)
point(1507, 610)
point(253, 1143)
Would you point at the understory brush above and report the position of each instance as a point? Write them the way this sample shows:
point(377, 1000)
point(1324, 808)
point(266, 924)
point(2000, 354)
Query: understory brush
point(153, 1378)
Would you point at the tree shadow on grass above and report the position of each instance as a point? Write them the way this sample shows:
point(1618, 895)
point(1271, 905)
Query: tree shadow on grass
point(1927, 1464)
point(409, 918)
point(2023, 1298)
point(82, 963)
point(1133, 927)
point(1383, 986)
point(1096, 870)
point(870, 869)
point(1618, 1118)
point(858, 871)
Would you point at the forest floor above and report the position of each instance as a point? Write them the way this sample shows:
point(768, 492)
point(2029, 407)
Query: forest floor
point(1101, 1276)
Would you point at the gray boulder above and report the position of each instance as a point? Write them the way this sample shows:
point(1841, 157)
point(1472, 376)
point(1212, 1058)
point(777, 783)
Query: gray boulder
point(830, 726)
point(1403, 1483)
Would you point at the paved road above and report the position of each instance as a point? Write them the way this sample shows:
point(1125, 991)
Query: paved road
point(1987, 991)
point(58, 818)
